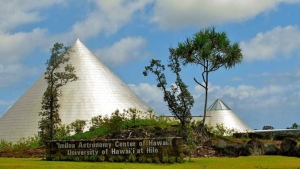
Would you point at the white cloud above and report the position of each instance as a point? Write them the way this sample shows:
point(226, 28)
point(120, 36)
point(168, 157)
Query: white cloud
point(269, 45)
point(123, 51)
point(152, 95)
point(107, 17)
point(14, 47)
point(244, 97)
point(14, 73)
point(5, 102)
point(14, 13)
point(170, 14)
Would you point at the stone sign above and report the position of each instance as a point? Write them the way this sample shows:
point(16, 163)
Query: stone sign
point(140, 147)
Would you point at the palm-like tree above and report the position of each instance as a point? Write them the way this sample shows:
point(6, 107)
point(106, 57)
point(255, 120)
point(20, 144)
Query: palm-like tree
point(210, 50)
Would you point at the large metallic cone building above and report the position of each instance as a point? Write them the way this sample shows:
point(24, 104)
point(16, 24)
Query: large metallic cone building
point(98, 91)
point(220, 113)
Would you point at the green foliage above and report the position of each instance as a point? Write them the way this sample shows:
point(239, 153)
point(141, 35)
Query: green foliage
point(210, 50)
point(94, 158)
point(111, 159)
point(149, 160)
point(179, 160)
point(87, 135)
point(172, 160)
point(119, 121)
point(96, 122)
point(115, 122)
point(78, 126)
point(49, 157)
point(179, 99)
point(86, 158)
point(118, 158)
point(132, 158)
point(245, 163)
point(20, 145)
point(101, 158)
point(62, 131)
point(294, 126)
point(165, 159)
point(142, 159)
point(156, 160)
point(220, 130)
point(50, 119)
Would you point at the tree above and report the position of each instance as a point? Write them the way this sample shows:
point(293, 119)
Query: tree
point(268, 128)
point(210, 50)
point(294, 126)
point(179, 99)
point(78, 126)
point(55, 80)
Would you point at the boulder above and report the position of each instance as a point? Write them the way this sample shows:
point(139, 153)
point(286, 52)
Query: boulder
point(271, 149)
point(255, 147)
point(289, 147)
point(225, 148)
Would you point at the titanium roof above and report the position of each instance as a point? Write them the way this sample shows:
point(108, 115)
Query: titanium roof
point(98, 91)
point(218, 105)
point(220, 113)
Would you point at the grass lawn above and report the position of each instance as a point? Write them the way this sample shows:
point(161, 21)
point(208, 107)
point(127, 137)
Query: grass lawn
point(256, 162)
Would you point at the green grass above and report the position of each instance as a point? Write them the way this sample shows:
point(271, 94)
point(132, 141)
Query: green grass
point(253, 162)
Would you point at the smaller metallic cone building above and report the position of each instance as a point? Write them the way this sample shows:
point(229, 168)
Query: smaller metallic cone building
point(98, 91)
point(220, 113)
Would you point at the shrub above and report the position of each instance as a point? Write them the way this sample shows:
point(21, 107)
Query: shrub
point(76, 158)
point(132, 158)
point(78, 126)
point(149, 160)
point(179, 160)
point(111, 159)
point(94, 158)
point(101, 158)
point(86, 158)
point(172, 160)
point(165, 159)
point(142, 159)
point(97, 121)
point(118, 158)
point(156, 160)
point(62, 131)
point(220, 130)
point(49, 157)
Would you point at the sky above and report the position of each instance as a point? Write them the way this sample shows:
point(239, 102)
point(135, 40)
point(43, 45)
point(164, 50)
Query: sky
point(264, 89)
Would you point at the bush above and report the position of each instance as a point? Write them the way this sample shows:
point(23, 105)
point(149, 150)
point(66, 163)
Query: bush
point(76, 158)
point(97, 121)
point(165, 159)
point(49, 157)
point(179, 160)
point(78, 126)
point(118, 158)
point(94, 158)
point(220, 130)
point(111, 159)
point(132, 158)
point(156, 160)
point(86, 158)
point(142, 159)
point(102, 158)
point(172, 160)
point(149, 160)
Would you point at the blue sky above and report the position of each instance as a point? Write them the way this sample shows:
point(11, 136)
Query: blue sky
point(126, 34)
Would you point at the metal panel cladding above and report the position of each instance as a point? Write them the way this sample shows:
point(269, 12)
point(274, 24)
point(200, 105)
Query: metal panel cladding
point(98, 91)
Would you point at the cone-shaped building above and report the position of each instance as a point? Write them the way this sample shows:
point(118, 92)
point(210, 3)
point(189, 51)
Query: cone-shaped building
point(220, 113)
point(98, 91)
